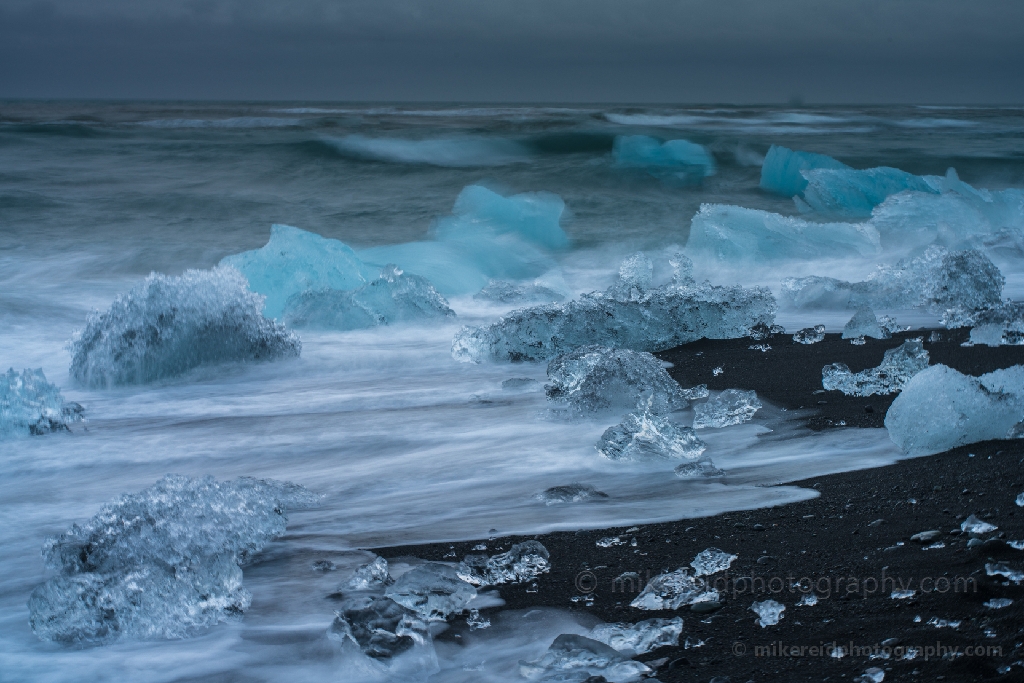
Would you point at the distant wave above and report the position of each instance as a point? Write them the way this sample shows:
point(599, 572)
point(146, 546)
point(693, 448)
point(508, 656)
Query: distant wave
point(453, 152)
point(235, 122)
point(935, 123)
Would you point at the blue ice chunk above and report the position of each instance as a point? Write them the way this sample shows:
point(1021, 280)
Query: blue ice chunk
point(169, 325)
point(394, 297)
point(294, 261)
point(854, 194)
point(864, 324)
point(674, 159)
point(782, 167)
point(533, 216)
point(31, 405)
point(162, 563)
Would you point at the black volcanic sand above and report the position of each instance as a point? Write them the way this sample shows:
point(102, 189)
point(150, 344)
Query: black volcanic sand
point(851, 545)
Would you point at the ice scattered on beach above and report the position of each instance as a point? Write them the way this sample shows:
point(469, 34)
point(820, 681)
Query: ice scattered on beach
point(902, 594)
point(522, 562)
point(898, 366)
point(810, 335)
point(574, 659)
point(641, 637)
point(769, 612)
point(162, 563)
point(673, 590)
point(864, 324)
point(731, 407)
point(169, 325)
point(807, 600)
point(994, 325)
point(646, 436)
point(871, 675)
point(998, 603)
point(1005, 570)
point(29, 405)
point(973, 525)
point(370, 576)
point(611, 541)
point(570, 493)
point(1020, 500)
point(712, 561)
point(381, 627)
point(432, 590)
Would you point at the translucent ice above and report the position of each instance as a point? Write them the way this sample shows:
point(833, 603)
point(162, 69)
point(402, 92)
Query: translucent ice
point(993, 325)
point(854, 193)
point(871, 675)
point(380, 626)
point(31, 405)
point(1005, 570)
point(574, 659)
point(595, 378)
point(998, 603)
point(370, 576)
point(768, 611)
point(522, 562)
point(898, 366)
point(570, 493)
point(940, 409)
point(511, 293)
point(646, 436)
point(810, 335)
point(973, 525)
point(673, 590)
point(782, 169)
point(393, 297)
point(641, 637)
point(163, 563)
point(169, 325)
point(676, 159)
point(731, 407)
point(432, 590)
point(808, 600)
point(864, 324)
point(711, 561)
point(295, 261)
point(703, 467)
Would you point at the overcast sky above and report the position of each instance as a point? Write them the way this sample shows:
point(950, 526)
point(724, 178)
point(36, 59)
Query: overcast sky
point(736, 51)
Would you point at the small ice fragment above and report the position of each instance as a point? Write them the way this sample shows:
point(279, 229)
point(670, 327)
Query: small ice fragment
point(522, 562)
point(872, 675)
point(692, 643)
point(864, 324)
point(1020, 500)
point(480, 547)
point(934, 337)
point(646, 436)
point(898, 366)
point(641, 637)
point(610, 541)
point(768, 611)
point(943, 623)
point(370, 576)
point(711, 561)
point(381, 627)
point(672, 590)
point(917, 619)
point(1004, 569)
point(324, 566)
point(570, 493)
point(807, 600)
point(731, 407)
point(902, 594)
point(810, 335)
point(578, 658)
point(432, 590)
point(29, 405)
point(703, 467)
point(935, 546)
point(477, 622)
point(973, 525)
point(998, 603)
point(1016, 545)
point(717, 371)
point(763, 348)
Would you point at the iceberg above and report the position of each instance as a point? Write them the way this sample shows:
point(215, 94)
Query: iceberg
point(647, 436)
point(169, 325)
point(729, 234)
point(504, 292)
point(432, 590)
point(782, 169)
point(29, 405)
point(162, 563)
point(940, 408)
point(394, 297)
point(680, 160)
point(575, 659)
point(898, 366)
point(381, 627)
point(641, 637)
point(851, 193)
point(673, 590)
point(596, 378)
point(731, 407)
point(522, 562)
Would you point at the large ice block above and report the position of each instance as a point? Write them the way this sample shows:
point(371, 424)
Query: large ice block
point(782, 169)
point(853, 193)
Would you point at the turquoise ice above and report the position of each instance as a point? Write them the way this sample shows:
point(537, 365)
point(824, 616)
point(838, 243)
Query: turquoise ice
point(674, 159)
point(782, 170)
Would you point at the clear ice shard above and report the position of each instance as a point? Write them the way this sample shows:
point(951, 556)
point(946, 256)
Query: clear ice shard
point(641, 637)
point(393, 297)
point(898, 366)
point(570, 493)
point(646, 436)
point(574, 659)
point(731, 407)
point(782, 169)
point(432, 590)
point(712, 561)
point(162, 563)
point(673, 590)
point(973, 525)
point(370, 576)
point(864, 324)
point(29, 405)
point(732, 234)
point(855, 193)
point(769, 612)
point(625, 316)
point(522, 562)
point(937, 280)
point(505, 292)
point(702, 467)
point(596, 378)
point(381, 627)
point(294, 261)
point(940, 408)
point(810, 335)
point(679, 160)
point(169, 325)
point(808, 600)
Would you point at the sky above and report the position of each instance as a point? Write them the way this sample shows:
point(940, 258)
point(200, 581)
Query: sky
point(629, 51)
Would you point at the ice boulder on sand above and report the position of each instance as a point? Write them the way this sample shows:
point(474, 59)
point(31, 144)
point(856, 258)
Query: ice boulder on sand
point(646, 436)
point(731, 407)
point(864, 324)
point(31, 405)
point(169, 325)
point(673, 160)
point(898, 366)
point(393, 297)
point(940, 409)
point(522, 562)
point(575, 659)
point(782, 169)
point(641, 637)
point(162, 563)
point(381, 627)
point(672, 590)
point(432, 590)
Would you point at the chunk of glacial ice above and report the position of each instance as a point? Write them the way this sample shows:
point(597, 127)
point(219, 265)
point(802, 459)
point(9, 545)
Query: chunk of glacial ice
point(522, 562)
point(162, 563)
point(897, 367)
point(381, 627)
point(652, 320)
point(769, 612)
point(595, 378)
point(169, 325)
point(998, 603)
point(370, 576)
point(432, 590)
point(855, 193)
point(393, 297)
point(994, 325)
point(871, 675)
point(731, 407)
point(864, 324)
point(673, 590)
point(973, 525)
point(574, 659)
point(512, 293)
point(782, 169)
point(702, 467)
point(570, 493)
point(940, 408)
point(29, 405)
point(679, 160)
point(1005, 570)
point(810, 335)
point(808, 600)
point(937, 280)
point(712, 561)
point(641, 637)
point(646, 436)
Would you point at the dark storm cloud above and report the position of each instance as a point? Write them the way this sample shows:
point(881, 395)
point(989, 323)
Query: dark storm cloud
point(526, 50)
